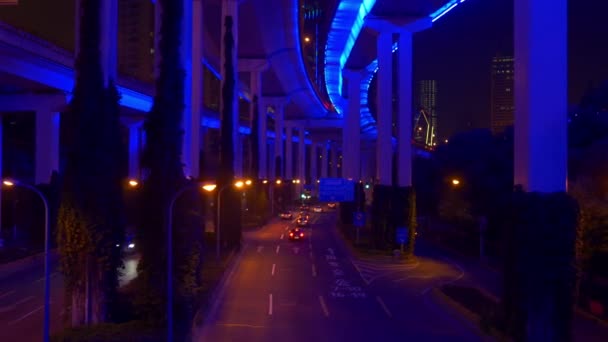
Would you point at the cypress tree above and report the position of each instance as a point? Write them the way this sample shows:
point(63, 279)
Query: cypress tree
point(162, 163)
point(90, 214)
point(255, 140)
point(230, 199)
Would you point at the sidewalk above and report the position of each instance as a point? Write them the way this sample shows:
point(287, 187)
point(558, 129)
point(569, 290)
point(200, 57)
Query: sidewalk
point(585, 327)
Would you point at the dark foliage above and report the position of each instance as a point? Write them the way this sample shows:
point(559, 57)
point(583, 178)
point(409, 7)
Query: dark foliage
point(231, 199)
point(255, 140)
point(90, 219)
point(539, 271)
point(162, 163)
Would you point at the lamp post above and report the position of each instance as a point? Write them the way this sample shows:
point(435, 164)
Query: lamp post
point(47, 278)
point(176, 195)
point(212, 187)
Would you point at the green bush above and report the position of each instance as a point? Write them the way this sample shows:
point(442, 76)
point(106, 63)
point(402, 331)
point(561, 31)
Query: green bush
point(135, 331)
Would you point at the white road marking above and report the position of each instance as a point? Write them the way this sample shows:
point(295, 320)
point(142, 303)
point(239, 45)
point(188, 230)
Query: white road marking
point(7, 293)
point(26, 299)
point(52, 275)
point(278, 247)
point(270, 304)
point(311, 256)
point(282, 236)
point(323, 306)
point(238, 325)
point(450, 281)
point(386, 310)
point(273, 268)
point(26, 315)
point(314, 271)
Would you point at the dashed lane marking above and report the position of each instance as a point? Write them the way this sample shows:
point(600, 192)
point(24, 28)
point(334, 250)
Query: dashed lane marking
point(324, 306)
point(386, 310)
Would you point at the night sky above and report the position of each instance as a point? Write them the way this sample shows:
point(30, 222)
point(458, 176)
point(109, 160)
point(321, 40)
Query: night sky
point(458, 50)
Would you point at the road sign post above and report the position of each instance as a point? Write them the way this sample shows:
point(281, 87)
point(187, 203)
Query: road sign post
point(358, 221)
point(401, 233)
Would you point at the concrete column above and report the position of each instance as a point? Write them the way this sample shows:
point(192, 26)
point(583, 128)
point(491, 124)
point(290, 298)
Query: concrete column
point(47, 145)
point(289, 152)
point(1, 175)
point(404, 116)
point(324, 160)
point(278, 142)
point(135, 148)
point(238, 157)
point(384, 149)
point(192, 59)
point(314, 157)
point(351, 133)
point(334, 160)
point(109, 40)
point(230, 8)
point(301, 155)
point(541, 84)
point(256, 89)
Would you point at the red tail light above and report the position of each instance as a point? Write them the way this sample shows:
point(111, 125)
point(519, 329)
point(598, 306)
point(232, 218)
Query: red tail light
point(290, 234)
point(301, 234)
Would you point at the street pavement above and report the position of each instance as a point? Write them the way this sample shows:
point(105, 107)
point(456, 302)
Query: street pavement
point(22, 301)
point(314, 290)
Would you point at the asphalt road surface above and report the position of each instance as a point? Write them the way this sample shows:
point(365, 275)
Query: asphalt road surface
point(313, 290)
point(22, 302)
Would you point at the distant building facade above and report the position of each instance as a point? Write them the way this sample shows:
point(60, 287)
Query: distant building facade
point(136, 39)
point(503, 100)
point(425, 122)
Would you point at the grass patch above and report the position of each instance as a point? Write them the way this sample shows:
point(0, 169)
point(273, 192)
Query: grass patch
point(485, 308)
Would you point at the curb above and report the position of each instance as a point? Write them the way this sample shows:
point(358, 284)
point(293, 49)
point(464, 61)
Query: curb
point(201, 320)
point(13, 267)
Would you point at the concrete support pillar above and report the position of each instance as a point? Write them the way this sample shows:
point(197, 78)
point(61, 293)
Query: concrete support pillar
point(230, 8)
point(404, 116)
point(289, 152)
point(324, 160)
point(109, 40)
point(192, 59)
point(302, 155)
point(384, 148)
point(135, 148)
point(314, 157)
point(278, 143)
point(239, 156)
point(541, 84)
point(47, 145)
point(351, 133)
point(334, 160)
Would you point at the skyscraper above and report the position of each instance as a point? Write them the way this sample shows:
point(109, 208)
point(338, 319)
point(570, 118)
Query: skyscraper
point(503, 102)
point(136, 39)
point(425, 122)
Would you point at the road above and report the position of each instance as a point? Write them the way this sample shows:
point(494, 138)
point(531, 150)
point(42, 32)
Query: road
point(313, 290)
point(22, 301)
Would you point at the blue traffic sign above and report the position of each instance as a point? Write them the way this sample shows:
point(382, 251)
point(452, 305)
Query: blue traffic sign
point(401, 235)
point(359, 219)
point(336, 190)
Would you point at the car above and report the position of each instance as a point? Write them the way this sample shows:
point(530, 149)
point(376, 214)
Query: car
point(287, 215)
point(296, 234)
point(302, 221)
point(317, 209)
point(128, 245)
point(332, 205)
point(304, 215)
point(304, 208)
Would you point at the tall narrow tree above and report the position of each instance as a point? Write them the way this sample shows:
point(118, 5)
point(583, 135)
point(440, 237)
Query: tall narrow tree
point(255, 140)
point(162, 163)
point(230, 201)
point(90, 215)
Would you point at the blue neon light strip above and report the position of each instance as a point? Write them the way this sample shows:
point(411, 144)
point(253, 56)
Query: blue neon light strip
point(345, 28)
point(445, 9)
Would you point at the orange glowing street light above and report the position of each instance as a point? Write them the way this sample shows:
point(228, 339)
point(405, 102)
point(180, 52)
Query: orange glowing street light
point(133, 183)
point(455, 182)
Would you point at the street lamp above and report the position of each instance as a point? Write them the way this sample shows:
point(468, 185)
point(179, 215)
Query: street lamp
point(455, 182)
point(47, 278)
point(176, 195)
point(211, 187)
point(133, 183)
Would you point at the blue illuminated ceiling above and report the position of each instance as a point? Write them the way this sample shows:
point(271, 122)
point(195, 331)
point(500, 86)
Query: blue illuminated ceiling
point(345, 29)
